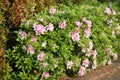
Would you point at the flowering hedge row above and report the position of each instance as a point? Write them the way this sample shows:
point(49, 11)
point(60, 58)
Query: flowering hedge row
point(65, 40)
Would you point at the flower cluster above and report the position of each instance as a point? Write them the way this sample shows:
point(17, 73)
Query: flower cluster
point(109, 11)
point(22, 34)
point(69, 64)
point(75, 35)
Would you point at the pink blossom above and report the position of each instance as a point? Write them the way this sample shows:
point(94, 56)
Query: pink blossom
point(113, 12)
point(69, 64)
point(85, 63)
point(83, 50)
point(62, 25)
point(107, 11)
point(30, 49)
point(88, 54)
point(94, 65)
point(109, 62)
point(84, 19)
point(107, 50)
point(44, 44)
point(89, 23)
point(33, 39)
point(44, 64)
point(41, 19)
point(39, 29)
point(81, 71)
point(52, 10)
point(40, 56)
point(75, 35)
point(87, 32)
point(94, 53)
point(118, 27)
point(113, 33)
point(22, 34)
point(45, 75)
point(78, 24)
point(50, 27)
point(90, 45)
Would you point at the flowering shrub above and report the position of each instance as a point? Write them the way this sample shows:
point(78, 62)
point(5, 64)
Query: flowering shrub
point(65, 40)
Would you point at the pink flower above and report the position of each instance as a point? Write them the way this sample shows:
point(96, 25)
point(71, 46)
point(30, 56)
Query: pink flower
point(107, 11)
point(89, 23)
point(40, 56)
point(78, 24)
point(44, 64)
point(109, 62)
point(94, 65)
point(50, 27)
point(94, 53)
point(90, 45)
point(22, 34)
point(33, 39)
point(113, 12)
point(113, 33)
point(45, 75)
point(30, 49)
point(44, 44)
point(88, 54)
point(69, 64)
point(84, 19)
point(62, 25)
point(81, 71)
point(41, 19)
point(75, 35)
point(107, 50)
point(118, 27)
point(52, 11)
point(87, 32)
point(39, 29)
point(85, 63)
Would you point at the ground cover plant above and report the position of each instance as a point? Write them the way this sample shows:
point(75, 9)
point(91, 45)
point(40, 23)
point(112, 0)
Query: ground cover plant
point(66, 40)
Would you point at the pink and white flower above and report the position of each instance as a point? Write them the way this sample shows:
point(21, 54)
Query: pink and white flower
point(81, 71)
point(40, 57)
point(41, 20)
point(118, 27)
point(69, 64)
point(50, 27)
point(30, 49)
point(39, 29)
point(107, 11)
point(62, 25)
point(75, 35)
point(109, 62)
point(94, 65)
point(44, 44)
point(22, 34)
point(85, 63)
point(78, 24)
point(89, 23)
point(33, 39)
point(94, 53)
point(44, 64)
point(84, 19)
point(113, 33)
point(87, 32)
point(113, 12)
point(52, 10)
point(45, 75)
point(90, 45)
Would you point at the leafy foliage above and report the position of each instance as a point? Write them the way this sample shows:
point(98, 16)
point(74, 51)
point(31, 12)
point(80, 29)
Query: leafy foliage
point(65, 39)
